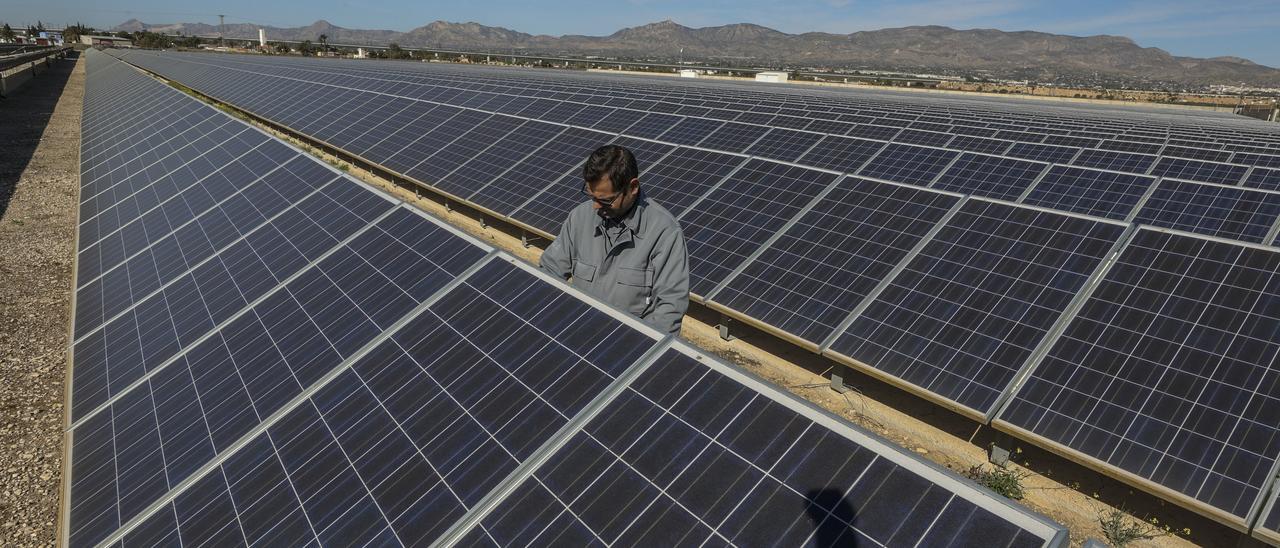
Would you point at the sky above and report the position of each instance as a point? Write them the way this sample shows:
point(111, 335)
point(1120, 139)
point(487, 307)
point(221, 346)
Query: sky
point(1196, 28)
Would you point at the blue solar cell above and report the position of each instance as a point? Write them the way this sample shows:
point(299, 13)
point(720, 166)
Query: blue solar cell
point(176, 316)
point(967, 312)
point(1228, 212)
point(1044, 153)
point(687, 455)
point(926, 138)
point(740, 215)
point(734, 137)
point(652, 125)
point(436, 168)
point(541, 168)
point(1195, 170)
point(871, 131)
point(1266, 179)
point(1130, 146)
point(413, 434)
point(1260, 160)
point(845, 154)
point(1115, 161)
point(980, 144)
point(1089, 191)
point(908, 164)
point(507, 151)
point(1196, 153)
point(685, 175)
point(1159, 373)
point(992, 176)
point(690, 130)
point(783, 144)
point(812, 277)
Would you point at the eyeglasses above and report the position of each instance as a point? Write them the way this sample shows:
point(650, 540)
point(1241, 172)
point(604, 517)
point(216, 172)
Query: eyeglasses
point(602, 202)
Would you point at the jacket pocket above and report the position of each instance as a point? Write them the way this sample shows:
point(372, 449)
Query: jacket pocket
point(584, 272)
point(635, 289)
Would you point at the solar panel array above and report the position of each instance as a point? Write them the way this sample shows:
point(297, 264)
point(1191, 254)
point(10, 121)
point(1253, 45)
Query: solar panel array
point(1269, 528)
point(907, 237)
point(321, 364)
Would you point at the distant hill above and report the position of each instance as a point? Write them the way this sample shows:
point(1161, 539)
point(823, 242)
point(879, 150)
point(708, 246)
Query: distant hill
point(1022, 54)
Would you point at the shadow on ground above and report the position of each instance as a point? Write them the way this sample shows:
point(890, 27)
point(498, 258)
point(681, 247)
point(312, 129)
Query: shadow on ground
point(24, 113)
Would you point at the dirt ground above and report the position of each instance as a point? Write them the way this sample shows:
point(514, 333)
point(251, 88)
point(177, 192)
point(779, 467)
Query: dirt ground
point(39, 179)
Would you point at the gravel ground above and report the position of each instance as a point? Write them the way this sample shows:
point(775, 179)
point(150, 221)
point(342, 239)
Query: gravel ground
point(39, 142)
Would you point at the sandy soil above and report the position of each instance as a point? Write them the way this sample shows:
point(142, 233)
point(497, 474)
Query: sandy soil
point(39, 147)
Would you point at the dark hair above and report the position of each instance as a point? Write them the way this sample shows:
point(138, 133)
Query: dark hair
point(612, 160)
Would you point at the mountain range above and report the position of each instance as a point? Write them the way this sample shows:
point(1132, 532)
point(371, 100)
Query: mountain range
point(1021, 54)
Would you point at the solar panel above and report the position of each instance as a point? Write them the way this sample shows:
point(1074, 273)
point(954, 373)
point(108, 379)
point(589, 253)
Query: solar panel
point(991, 176)
point(1268, 528)
point(965, 313)
point(652, 125)
point(811, 278)
point(1115, 161)
point(1266, 179)
point(617, 121)
point(415, 130)
point(541, 168)
point(735, 219)
point(1043, 153)
point(908, 164)
point(1260, 160)
point(979, 144)
point(871, 131)
point(107, 289)
point(734, 137)
point(1089, 191)
point(1167, 372)
point(1195, 170)
point(845, 154)
point(926, 138)
point(783, 144)
point(1228, 212)
point(690, 130)
point(1130, 146)
point(475, 141)
point(409, 435)
point(1196, 153)
point(1070, 141)
point(693, 452)
point(507, 151)
point(678, 179)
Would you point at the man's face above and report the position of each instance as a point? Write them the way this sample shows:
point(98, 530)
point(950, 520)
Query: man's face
point(608, 203)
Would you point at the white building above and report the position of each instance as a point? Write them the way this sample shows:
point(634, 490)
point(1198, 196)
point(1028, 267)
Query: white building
point(775, 77)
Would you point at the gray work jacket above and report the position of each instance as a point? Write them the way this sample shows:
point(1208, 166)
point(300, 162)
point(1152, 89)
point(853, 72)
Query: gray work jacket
point(640, 265)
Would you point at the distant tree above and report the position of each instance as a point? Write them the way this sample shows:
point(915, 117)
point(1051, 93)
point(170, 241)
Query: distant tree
point(151, 40)
point(282, 48)
point(125, 35)
point(72, 33)
point(6, 33)
point(324, 42)
point(394, 51)
point(306, 48)
point(39, 26)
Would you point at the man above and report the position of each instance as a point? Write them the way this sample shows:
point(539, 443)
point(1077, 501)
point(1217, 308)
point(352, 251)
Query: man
point(622, 247)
